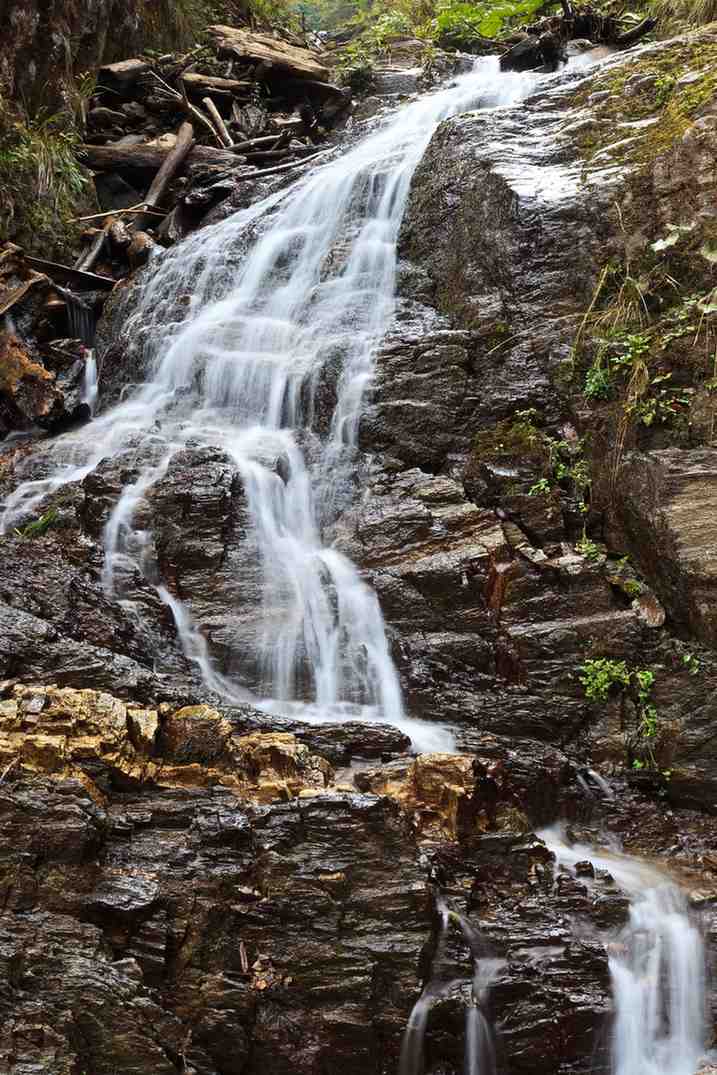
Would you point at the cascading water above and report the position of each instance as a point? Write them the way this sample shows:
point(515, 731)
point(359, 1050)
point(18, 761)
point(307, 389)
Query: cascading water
point(479, 1055)
point(657, 969)
point(276, 299)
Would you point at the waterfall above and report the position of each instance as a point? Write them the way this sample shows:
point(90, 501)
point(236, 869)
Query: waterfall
point(479, 1054)
point(657, 967)
point(239, 326)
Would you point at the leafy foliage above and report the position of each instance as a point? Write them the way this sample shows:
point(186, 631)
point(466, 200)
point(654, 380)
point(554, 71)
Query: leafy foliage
point(600, 674)
point(40, 177)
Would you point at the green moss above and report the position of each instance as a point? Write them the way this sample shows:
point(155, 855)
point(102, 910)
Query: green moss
point(670, 107)
point(518, 436)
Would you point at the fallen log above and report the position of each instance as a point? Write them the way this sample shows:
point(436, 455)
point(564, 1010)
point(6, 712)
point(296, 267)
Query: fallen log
point(319, 91)
point(266, 141)
point(182, 101)
point(224, 137)
point(146, 158)
point(77, 277)
point(170, 166)
point(543, 46)
point(269, 155)
point(203, 84)
point(259, 174)
point(261, 48)
point(637, 32)
point(89, 258)
point(122, 76)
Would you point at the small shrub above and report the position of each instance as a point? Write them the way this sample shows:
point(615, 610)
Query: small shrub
point(588, 549)
point(600, 674)
point(541, 488)
point(691, 663)
point(598, 383)
point(40, 178)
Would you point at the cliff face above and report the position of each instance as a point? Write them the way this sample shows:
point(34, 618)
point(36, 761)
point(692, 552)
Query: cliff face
point(215, 890)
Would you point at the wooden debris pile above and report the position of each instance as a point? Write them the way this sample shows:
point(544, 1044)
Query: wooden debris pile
point(46, 377)
point(166, 139)
point(203, 122)
point(542, 45)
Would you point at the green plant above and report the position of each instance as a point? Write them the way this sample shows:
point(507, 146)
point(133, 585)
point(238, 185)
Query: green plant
point(457, 22)
point(691, 663)
point(40, 177)
point(600, 674)
point(40, 526)
point(541, 488)
point(664, 86)
point(695, 12)
point(603, 673)
point(660, 403)
point(588, 548)
point(598, 382)
point(358, 72)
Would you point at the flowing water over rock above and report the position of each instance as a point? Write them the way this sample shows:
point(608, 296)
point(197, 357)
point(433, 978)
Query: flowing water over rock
point(479, 1057)
point(657, 966)
point(257, 338)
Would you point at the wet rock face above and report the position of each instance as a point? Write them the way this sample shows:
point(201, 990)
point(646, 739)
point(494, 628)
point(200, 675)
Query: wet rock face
point(196, 888)
point(666, 517)
point(464, 529)
point(148, 861)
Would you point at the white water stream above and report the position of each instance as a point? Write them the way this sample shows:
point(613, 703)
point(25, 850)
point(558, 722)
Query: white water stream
point(262, 322)
point(479, 1051)
point(657, 968)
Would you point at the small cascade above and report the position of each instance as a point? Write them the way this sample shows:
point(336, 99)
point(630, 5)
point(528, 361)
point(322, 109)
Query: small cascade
point(657, 967)
point(80, 318)
point(479, 1055)
point(91, 385)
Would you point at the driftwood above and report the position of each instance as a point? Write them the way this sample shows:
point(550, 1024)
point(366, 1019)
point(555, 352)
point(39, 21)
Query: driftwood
point(147, 158)
point(169, 167)
point(269, 155)
point(219, 125)
point(283, 167)
point(203, 84)
point(265, 141)
point(319, 91)
point(88, 259)
point(78, 278)
point(122, 76)
point(631, 36)
point(261, 48)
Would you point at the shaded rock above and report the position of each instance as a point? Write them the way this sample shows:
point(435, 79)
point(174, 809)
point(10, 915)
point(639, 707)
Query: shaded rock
point(664, 517)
